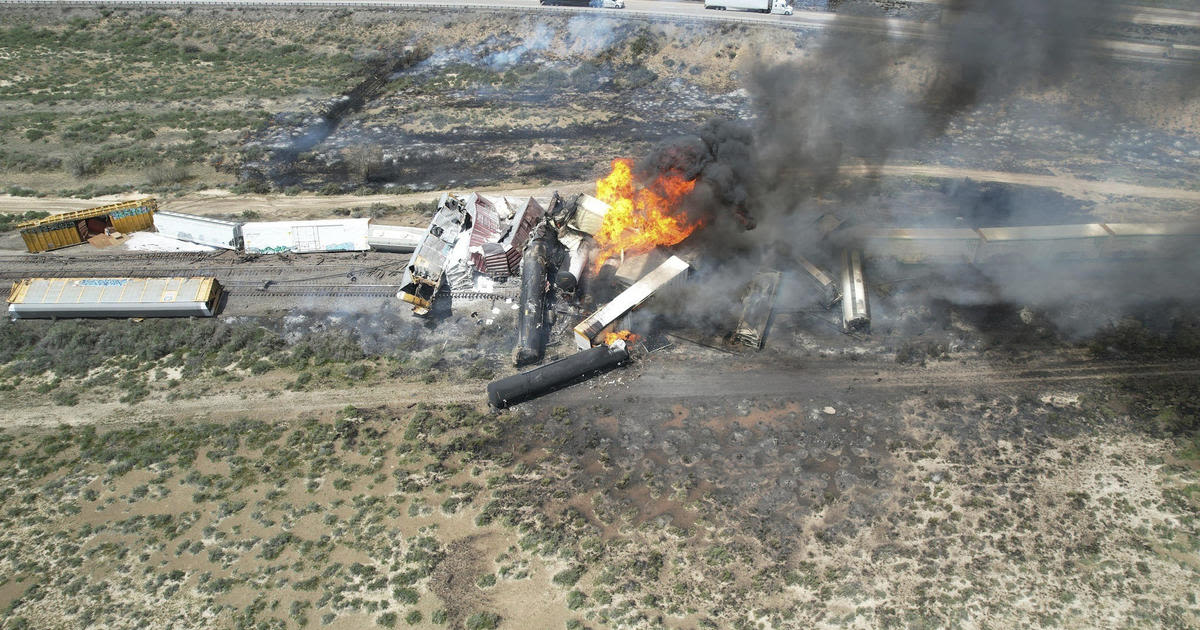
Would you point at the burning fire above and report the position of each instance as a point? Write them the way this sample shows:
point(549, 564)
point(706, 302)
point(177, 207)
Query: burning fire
point(642, 218)
point(623, 335)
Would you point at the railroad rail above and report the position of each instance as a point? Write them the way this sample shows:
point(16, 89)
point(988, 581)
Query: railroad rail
point(1125, 50)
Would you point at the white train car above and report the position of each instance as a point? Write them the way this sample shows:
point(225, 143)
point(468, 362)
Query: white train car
point(394, 238)
point(44, 298)
point(198, 229)
point(1151, 240)
point(922, 245)
point(305, 237)
point(1039, 242)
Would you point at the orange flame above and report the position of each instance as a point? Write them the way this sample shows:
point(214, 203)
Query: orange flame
point(641, 218)
point(623, 335)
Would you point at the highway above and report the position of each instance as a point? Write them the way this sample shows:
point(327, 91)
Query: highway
point(693, 10)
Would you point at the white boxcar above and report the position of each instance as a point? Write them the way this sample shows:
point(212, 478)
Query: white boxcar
point(197, 229)
point(301, 237)
point(1057, 242)
point(921, 245)
point(394, 238)
point(1152, 240)
point(34, 298)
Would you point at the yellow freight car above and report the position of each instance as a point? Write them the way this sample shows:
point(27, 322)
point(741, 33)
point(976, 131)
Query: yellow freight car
point(73, 228)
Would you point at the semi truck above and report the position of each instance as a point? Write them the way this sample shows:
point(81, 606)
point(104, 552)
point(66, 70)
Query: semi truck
point(762, 6)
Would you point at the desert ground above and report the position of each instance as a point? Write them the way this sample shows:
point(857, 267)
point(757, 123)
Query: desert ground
point(987, 456)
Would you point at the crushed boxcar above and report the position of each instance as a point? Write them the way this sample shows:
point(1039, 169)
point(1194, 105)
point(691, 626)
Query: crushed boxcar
point(825, 285)
point(426, 268)
point(41, 298)
point(73, 228)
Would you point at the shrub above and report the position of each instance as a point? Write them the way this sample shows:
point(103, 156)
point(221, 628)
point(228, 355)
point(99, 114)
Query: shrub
point(413, 618)
point(483, 621)
point(405, 595)
point(568, 577)
point(387, 620)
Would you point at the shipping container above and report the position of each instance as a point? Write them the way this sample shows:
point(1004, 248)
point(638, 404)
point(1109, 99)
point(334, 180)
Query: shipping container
point(198, 229)
point(33, 298)
point(301, 237)
point(73, 228)
point(394, 238)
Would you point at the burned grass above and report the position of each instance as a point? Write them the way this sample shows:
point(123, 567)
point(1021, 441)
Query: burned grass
point(848, 508)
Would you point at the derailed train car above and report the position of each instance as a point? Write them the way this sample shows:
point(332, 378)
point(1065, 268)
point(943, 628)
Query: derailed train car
point(72, 228)
point(46, 298)
point(425, 272)
point(1021, 244)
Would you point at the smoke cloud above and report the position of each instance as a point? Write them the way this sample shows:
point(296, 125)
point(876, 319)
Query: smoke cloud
point(859, 97)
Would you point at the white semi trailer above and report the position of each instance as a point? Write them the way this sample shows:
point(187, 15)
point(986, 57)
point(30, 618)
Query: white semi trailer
point(761, 6)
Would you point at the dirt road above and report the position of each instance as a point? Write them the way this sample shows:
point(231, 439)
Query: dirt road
point(658, 381)
point(281, 206)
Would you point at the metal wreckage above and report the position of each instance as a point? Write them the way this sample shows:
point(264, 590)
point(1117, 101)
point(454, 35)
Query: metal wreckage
point(475, 244)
